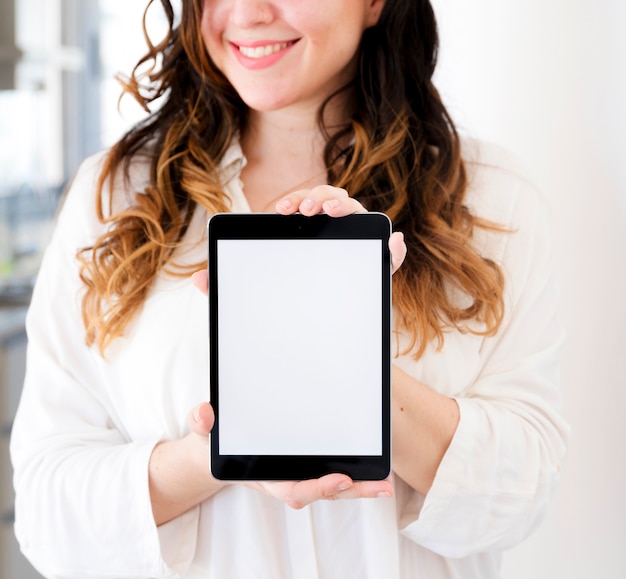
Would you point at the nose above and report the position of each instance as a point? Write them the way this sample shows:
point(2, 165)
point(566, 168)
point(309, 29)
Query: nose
point(250, 13)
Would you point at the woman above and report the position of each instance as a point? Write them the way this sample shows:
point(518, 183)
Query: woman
point(289, 106)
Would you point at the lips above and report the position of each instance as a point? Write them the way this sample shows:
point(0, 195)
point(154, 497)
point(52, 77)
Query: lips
point(261, 54)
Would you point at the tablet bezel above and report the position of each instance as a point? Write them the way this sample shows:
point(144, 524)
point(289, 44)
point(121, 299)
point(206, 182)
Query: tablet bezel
point(250, 226)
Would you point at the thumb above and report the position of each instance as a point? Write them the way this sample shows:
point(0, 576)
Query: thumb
point(201, 280)
point(201, 419)
point(398, 249)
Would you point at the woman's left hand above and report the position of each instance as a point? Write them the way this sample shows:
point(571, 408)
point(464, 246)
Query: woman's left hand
point(331, 200)
point(337, 203)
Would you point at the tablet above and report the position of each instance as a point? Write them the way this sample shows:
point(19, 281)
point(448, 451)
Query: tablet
point(300, 357)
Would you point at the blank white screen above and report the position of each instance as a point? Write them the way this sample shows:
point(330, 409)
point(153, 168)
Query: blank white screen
point(300, 343)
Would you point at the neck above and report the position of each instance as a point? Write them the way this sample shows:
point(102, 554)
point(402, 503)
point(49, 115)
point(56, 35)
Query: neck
point(291, 132)
point(284, 151)
point(270, 137)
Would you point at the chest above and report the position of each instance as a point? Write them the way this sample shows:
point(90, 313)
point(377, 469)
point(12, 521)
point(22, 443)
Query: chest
point(264, 186)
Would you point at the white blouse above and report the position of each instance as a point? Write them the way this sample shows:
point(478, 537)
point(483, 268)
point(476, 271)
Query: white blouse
point(86, 425)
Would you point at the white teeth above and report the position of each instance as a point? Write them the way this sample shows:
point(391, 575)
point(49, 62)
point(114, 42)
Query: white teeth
point(261, 51)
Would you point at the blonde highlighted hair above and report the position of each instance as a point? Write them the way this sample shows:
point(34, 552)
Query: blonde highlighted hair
point(399, 154)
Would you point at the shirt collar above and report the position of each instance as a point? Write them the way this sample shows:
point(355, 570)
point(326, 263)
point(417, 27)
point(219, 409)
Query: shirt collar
point(233, 161)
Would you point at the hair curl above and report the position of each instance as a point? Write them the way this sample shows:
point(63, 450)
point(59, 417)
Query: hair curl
point(403, 158)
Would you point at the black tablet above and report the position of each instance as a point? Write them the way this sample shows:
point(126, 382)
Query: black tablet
point(300, 358)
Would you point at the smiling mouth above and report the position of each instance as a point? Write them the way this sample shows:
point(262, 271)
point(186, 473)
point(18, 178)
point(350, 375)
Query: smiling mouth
point(266, 50)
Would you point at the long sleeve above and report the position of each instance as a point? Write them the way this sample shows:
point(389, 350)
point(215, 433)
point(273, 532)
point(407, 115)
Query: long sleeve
point(503, 464)
point(82, 500)
point(86, 427)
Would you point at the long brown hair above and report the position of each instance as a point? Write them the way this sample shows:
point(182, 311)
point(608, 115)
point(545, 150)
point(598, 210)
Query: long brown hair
point(402, 157)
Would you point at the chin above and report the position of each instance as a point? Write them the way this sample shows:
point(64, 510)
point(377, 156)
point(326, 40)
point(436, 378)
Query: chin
point(266, 105)
point(268, 100)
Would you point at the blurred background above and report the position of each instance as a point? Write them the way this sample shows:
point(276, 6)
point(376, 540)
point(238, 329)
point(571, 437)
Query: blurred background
point(547, 80)
point(58, 104)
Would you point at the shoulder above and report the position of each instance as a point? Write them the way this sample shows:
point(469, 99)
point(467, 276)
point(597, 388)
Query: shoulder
point(79, 205)
point(134, 177)
point(499, 188)
point(488, 162)
point(500, 192)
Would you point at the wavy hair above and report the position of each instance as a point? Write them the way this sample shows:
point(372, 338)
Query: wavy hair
point(402, 157)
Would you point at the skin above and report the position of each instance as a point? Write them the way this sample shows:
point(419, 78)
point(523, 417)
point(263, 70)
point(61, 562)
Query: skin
point(283, 150)
point(282, 142)
point(300, 73)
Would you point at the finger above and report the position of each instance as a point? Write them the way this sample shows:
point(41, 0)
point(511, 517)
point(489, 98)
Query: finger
point(303, 493)
point(398, 250)
point(306, 201)
point(201, 419)
point(286, 206)
point(301, 201)
point(335, 487)
point(342, 206)
point(311, 201)
point(367, 490)
point(200, 279)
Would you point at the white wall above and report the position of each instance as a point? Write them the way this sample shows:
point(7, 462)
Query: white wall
point(547, 79)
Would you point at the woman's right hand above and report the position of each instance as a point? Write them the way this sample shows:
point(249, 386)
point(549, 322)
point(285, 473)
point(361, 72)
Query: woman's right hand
point(179, 470)
point(297, 494)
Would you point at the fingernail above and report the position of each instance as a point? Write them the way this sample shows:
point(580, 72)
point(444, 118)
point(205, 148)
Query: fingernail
point(344, 486)
point(384, 495)
point(196, 414)
point(284, 204)
point(307, 203)
point(331, 203)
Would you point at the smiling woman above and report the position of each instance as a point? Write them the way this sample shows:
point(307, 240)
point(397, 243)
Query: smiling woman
point(276, 54)
point(332, 102)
